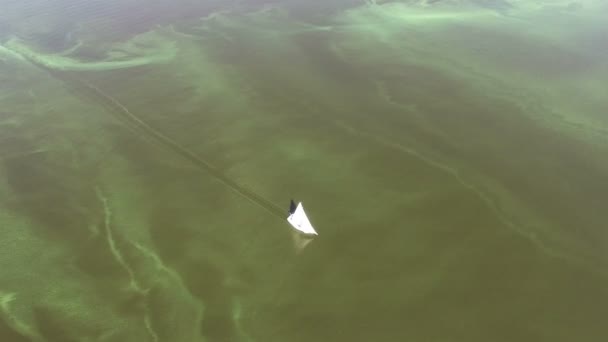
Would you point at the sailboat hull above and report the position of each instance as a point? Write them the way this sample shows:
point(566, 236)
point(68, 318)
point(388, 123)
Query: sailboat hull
point(300, 222)
point(302, 229)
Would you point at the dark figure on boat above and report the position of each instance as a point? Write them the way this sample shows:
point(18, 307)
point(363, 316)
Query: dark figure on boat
point(292, 207)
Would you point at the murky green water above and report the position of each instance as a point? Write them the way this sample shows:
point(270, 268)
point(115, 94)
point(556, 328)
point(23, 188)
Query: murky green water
point(451, 155)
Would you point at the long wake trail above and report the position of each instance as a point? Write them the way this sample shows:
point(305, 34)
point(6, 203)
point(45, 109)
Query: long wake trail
point(111, 104)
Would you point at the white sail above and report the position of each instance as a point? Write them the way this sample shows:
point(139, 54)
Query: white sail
point(300, 222)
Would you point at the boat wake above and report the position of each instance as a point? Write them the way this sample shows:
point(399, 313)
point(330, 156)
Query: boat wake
point(136, 123)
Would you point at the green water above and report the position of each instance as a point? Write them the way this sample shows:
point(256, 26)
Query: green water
point(451, 155)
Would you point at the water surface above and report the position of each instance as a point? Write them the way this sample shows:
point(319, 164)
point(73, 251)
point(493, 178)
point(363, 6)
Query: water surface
point(451, 155)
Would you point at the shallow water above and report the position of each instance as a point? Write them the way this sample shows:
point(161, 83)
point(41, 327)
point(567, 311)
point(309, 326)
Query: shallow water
point(451, 155)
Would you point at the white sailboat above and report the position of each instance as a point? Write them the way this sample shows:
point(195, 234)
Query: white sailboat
point(298, 219)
